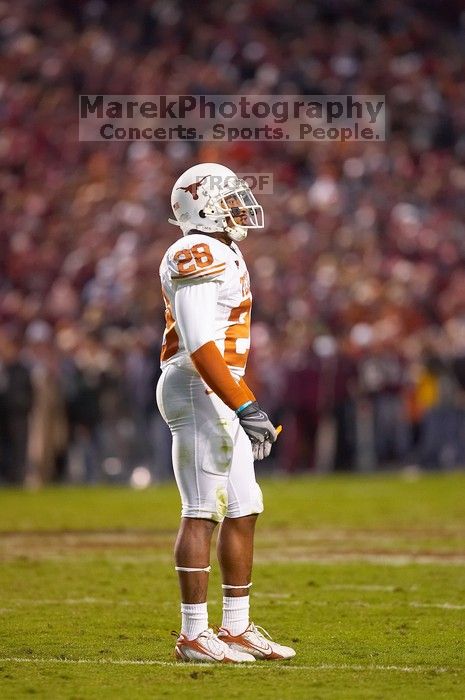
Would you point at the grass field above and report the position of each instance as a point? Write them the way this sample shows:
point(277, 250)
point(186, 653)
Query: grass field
point(364, 576)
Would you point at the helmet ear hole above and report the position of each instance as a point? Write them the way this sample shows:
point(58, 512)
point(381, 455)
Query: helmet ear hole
point(202, 214)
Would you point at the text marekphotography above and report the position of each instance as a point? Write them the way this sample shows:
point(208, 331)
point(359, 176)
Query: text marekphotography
point(271, 118)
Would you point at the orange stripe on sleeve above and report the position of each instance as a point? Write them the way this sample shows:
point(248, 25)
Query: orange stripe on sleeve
point(210, 364)
point(212, 270)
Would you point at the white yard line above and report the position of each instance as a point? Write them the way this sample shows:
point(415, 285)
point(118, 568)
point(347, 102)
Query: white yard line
point(261, 667)
point(72, 601)
point(260, 594)
point(442, 606)
point(364, 587)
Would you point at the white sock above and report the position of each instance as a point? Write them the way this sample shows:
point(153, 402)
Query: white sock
point(236, 614)
point(194, 619)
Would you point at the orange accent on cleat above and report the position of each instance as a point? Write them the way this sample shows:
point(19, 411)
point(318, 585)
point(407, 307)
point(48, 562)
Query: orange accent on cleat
point(183, 644)
point(207, 648)
point(253, 641)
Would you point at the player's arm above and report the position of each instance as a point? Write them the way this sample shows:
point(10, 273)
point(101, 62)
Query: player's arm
point(249, 392)
point(195, 310)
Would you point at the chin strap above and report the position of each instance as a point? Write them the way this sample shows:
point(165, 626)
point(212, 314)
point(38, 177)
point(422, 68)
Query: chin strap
point(189, 570)
point(236, 235)
point(227, 587)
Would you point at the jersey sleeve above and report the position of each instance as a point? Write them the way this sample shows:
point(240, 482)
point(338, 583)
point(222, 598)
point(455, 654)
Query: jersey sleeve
point(200, 260)
point(195, 307)
point(195, 312)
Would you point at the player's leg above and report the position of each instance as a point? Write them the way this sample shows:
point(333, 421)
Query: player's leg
point(192, 557)
point(201, 469)
point(197, 642)
point(192, 551)
point(235, 554)
point(235, 550)
point(236, 537)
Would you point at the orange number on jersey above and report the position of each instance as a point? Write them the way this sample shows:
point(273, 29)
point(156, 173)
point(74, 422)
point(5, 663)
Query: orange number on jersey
point(202, 255)
point(239, 330)
point(188, 259)
point(170, 344)
point(184, 259)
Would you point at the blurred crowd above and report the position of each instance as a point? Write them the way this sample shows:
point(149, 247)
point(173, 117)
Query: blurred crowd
point(358, 278)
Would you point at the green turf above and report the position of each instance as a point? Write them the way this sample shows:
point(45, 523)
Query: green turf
point(365, 576)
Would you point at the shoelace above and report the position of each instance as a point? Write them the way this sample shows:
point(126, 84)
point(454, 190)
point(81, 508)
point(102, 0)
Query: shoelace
point(260, 631)
point(212, 641)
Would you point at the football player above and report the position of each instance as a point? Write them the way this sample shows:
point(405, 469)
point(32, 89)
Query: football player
point(217, 426)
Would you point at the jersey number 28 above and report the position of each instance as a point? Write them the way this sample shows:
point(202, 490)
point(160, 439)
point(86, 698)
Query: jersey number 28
point(190, 259)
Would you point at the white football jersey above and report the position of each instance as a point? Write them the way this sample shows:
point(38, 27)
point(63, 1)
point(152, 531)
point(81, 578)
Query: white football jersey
point(216, 306)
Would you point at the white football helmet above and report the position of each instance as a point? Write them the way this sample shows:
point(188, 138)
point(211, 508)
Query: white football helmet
point(210, 197)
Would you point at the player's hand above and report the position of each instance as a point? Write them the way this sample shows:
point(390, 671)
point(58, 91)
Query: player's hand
point(260, 450)
point(259, 429)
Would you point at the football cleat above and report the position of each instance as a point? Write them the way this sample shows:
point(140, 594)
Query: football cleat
point(207, 648)
point(256, 641)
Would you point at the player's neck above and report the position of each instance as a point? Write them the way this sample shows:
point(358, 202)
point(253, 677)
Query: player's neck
point(219, 235)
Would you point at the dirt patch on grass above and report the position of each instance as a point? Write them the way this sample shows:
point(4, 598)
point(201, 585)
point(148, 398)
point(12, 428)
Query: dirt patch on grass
point(371, 557)
point(400, 547)
point(43, 545)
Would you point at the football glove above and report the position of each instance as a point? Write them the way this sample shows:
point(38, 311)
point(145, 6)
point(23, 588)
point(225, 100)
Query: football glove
point(259, 429)
point(260, 450)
